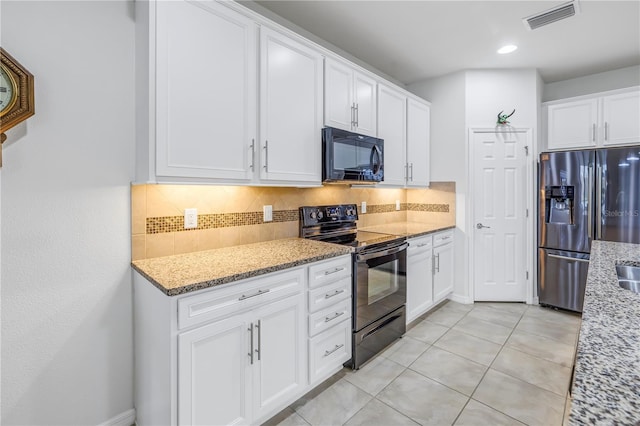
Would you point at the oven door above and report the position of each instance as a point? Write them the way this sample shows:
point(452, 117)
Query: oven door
point(380, 283)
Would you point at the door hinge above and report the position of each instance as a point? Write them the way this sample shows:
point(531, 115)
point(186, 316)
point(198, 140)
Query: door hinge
point(526, 150)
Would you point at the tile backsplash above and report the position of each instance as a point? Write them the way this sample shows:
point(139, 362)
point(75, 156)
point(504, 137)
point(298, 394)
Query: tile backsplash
point(232, 215)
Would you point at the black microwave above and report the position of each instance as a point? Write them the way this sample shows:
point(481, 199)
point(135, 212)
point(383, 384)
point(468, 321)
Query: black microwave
point(349, 157)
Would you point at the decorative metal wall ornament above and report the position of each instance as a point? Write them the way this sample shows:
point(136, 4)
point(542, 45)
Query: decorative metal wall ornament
point(502, 118)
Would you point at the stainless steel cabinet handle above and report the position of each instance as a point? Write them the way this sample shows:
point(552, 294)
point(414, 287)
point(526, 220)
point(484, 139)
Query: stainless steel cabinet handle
point(335, 293)
point(333, 271)
point(253, 153)
point(594, 133)
point(606, 131)
point(357, 115)
point(337, 314)
point(243, 297)
point(411, 167)
point(259, 340)
point(438, 265)
point(406, 171)
point(266, 155)
point(447, 237)
point(327, 353)
point(421, 245)
point(250, 330)
point(353, 115)
point(480, 226)
point(574, 259)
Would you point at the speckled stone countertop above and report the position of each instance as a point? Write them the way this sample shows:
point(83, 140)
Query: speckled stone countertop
point(606, 388)
point(184, 273)
point(408, 229)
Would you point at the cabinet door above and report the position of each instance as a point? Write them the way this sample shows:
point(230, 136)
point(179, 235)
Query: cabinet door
point(443, 271)
point(418, 139)
point(290, 110)
point(214, 371)
point(419, 280)
point(338, 91)
point(206, 113)
point(392, 126)
point(281, 358)
point(621, 118)
point(572, 124)
point(365, 95)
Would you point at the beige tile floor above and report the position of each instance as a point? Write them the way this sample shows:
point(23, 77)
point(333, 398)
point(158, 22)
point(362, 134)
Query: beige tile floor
point(480, 364)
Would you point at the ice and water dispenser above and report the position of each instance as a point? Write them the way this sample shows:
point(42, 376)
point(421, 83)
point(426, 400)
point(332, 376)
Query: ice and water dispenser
point(559, 204)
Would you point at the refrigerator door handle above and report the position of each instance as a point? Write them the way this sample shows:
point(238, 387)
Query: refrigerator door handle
point(572, 259)
point(599, 203)
point(590, 204)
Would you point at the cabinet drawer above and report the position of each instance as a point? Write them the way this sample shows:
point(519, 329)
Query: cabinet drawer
point(329, 271)
point(236, 297)
point(442, 238)
point(419, 244)
point(328, 351)
point(329, 317)
point(325, 296)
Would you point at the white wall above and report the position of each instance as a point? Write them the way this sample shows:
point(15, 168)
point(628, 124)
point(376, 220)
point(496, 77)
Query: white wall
point(67, 350)
point(601, 82)
point(461, 101)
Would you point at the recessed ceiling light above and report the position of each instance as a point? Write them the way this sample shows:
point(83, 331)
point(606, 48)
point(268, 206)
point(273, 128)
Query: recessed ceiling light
point(507, 49)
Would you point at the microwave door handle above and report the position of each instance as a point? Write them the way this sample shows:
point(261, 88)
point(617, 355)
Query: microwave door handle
point(375, 152)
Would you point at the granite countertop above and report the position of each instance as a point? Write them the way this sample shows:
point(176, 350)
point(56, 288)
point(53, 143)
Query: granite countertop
point(606, 386)
point(188, 272)
point(408, 229)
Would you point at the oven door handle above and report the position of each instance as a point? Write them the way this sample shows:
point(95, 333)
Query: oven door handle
point(380, 253)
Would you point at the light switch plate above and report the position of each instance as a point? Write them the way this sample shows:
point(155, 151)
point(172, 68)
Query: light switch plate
point(267, 213)
point(397, 204)
point(363, 207)
point(190, 218)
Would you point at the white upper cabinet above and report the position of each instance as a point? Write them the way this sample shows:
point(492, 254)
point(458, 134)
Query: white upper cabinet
point(349, 99)
point(403, 124)
point(594, 121)
point(621, 117)
point(205, 112)
point(290, 110)
point(418, 142)
point(392, 128)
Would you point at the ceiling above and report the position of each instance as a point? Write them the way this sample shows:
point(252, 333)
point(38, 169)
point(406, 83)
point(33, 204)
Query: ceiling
point(416, 40)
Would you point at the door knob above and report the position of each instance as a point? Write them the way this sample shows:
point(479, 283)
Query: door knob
point(480, 226)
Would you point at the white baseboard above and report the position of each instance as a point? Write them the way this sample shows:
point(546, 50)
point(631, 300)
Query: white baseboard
point(127, 418)
point(460, 299)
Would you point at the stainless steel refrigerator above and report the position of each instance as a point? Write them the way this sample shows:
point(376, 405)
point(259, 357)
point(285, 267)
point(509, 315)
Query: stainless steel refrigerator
point(583, 195)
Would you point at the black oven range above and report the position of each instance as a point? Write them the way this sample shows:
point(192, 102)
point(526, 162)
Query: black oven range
point(379, 276)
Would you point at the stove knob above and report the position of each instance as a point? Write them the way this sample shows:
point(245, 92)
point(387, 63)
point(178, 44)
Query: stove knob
point(312, 215)
point(320, 215)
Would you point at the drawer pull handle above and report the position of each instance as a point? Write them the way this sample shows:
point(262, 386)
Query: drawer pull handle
point(243, 297)
point(335, 293)
point(445, 238)
point(333, 271)
point(421, 245)
point(327, 353)
point(338, 314)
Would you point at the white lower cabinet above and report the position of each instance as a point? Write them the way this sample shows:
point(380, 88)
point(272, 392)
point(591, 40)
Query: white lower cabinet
point(241, 352)
point(429, 272)
point(443, 265)
point(419, 276)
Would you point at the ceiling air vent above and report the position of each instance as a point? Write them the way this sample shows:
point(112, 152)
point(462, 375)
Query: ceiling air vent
point(563, 11)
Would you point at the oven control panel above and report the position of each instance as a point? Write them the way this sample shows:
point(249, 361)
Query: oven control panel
point(313, 215)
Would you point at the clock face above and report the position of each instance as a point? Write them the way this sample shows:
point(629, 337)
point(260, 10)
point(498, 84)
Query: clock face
point(8, 93)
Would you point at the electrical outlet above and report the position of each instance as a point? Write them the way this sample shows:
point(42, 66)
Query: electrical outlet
point(397, 204)
point(267, 213)
point(190, 218)
point(363, 207)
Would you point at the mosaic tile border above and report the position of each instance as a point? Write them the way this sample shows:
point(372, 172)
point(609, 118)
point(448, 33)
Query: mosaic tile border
point(163, 224)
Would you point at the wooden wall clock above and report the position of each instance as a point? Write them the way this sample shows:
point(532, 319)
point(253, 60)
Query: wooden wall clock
point(16, 94)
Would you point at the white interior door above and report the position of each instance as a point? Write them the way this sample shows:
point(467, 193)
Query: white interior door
point(499, 188)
